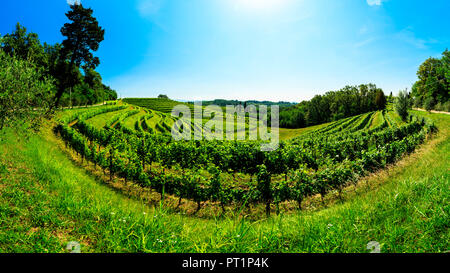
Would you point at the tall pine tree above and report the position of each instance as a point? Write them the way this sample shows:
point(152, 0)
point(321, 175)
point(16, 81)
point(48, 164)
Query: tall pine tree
point(84, 35)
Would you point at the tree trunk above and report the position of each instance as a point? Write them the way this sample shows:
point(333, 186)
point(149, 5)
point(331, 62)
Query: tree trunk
point(268, 208)
point(63, 86)
point(199, 205)
point(179, 202)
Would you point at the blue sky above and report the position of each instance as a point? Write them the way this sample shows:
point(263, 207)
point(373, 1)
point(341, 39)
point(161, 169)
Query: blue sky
point(286, 50)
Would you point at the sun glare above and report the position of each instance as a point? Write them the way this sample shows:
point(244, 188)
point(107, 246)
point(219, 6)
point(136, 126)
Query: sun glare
point(262, 5)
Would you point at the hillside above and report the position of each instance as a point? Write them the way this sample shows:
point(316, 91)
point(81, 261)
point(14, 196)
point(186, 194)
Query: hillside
point(50, 196)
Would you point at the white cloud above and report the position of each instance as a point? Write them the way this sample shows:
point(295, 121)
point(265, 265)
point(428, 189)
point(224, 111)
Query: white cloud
point(149, 7)
point(374, 2)
point(363, 30)
point(365, 42)
point(408, 36)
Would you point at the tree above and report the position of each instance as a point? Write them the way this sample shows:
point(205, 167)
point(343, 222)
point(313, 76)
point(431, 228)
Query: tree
point(83, 36)
point(92, 78)
point(163, 97)
point(23, 45)
point(25, 93)
point(434, 80)
point(429, 104)
point(401, 104)
point(334, 105)
point(390, 98)
point(380, 100)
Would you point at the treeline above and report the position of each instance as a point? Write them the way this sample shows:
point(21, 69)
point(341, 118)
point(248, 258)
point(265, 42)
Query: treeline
point(75, 80)
point(432, 90)
point(223, 103)
point(334, 105)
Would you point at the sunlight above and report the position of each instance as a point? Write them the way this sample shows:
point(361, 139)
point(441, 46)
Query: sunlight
point(261, 5)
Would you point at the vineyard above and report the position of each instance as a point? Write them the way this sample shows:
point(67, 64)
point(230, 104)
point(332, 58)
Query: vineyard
point(134, 144)
point(161, 105)
point(300, 127)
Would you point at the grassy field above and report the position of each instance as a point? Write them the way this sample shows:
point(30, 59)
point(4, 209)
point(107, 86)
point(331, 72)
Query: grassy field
point(286, 134)
point(100, 121)
point(48, 200)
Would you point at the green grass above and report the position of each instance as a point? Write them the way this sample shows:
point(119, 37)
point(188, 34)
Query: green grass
point(377, 120)
point(286, 134)
point(130, 121)
point(47, 200)
point(100, 121)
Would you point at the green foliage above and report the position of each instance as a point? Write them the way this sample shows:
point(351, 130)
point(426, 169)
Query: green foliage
point(23, 45)
point(325, 161)
point(429, 103)
point(334, 105)
point(294, 118)
point(402, 104)
point(52, 62)
point(25, 93)
point(264, 186)
point(224, 103)
point(380, 100)
point(443, 106)
point(158, 104)
point(433, 86)
point(83, 35)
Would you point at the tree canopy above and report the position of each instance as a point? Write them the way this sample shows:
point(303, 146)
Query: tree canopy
point(432, 90)
point(83, 35)
point(334, 105)
point(78, 83)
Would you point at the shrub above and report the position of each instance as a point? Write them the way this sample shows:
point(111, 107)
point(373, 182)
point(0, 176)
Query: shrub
point(402, 104)
point(429, 104)
point(443, 106)
point(25, 94)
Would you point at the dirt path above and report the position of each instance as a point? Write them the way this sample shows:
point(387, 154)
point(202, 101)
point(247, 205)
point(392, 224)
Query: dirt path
point(432, 111)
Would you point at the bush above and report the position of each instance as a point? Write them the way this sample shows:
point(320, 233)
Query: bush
point(418, 102)
point(429, 104)
point(25, 93)
point(447, 106)
point(402, 105)
point(443, 106)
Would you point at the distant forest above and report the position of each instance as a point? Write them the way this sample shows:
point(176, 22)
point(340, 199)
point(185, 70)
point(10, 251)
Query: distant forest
point(223, 103)
point(334, 105)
